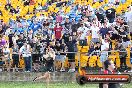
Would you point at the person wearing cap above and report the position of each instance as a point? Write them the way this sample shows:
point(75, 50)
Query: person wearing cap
point(67, 24)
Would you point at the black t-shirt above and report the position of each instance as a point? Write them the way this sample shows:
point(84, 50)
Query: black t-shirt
point(10, 38)
point(78, 25)
point(100, 17)
point(97, 48)
point(71, 45)
point(74, 27)
point(115, 36)
point(20, 42)
point(66, 37)
point(110, 13)
point(122, 33)
point(67, 25)
point(60, 48)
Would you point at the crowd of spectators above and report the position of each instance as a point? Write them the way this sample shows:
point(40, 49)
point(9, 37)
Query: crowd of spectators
point(59, 33)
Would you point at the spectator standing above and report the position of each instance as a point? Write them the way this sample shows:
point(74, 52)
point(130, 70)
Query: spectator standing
point(25, 50)
point(60, 56)
point(6, 52)
point(20, 41)
point(104, 30)
point(71, 55)
point(82, 33)
point(10, 39)
point(15, 57)
point(67, 25)
point(59, 18)
point(104, 50)
point(95, 32)
point(111, 13)
point(58, 32)
point(97, 48)
point(91, 49)
point(66, 36)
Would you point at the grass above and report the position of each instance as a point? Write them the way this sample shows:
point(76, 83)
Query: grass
point(53, 85)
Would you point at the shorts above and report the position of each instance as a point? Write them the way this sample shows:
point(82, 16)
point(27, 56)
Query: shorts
point(60, 58)
point(49, 65)
point(15, 58)
point(103, 57)
point(71, 57)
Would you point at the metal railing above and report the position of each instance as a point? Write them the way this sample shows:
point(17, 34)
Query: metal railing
point(78, 54)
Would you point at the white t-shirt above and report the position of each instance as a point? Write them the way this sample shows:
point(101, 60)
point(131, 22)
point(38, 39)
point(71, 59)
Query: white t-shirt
point(14, 39)
point(105, 45)
point(25, 52)
point(95, 32)
point(84, 30)
point(6, 51)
